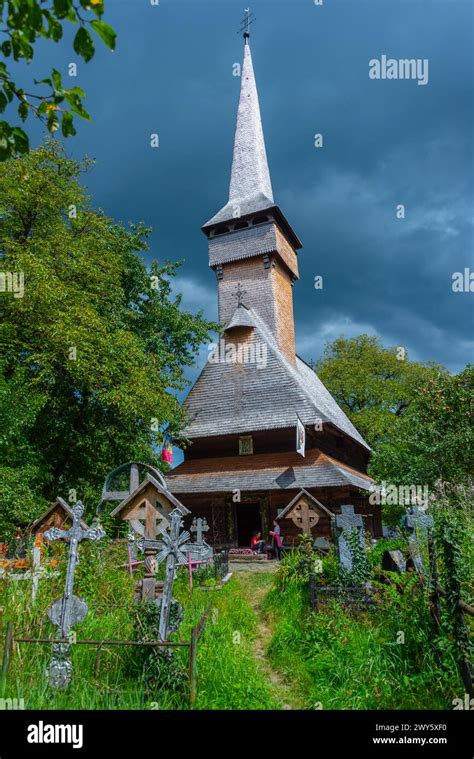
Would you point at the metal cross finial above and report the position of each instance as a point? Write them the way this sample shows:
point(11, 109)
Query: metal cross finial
point(248, 19)
point(68, 609)
point(239, 294)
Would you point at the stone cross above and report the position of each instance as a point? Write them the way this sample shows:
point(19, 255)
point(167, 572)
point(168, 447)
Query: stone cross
point(69, 609)
point(199, 526)
point(415, 519)
point(347, 520)
point(304, 517)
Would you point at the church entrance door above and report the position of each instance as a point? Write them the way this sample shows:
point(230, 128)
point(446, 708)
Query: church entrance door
point(248, 522)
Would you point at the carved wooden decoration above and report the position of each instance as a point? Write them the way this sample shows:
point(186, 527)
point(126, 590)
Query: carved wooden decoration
point(147, 509)
point(59, 514)
point(303, 516)
point(305, 511)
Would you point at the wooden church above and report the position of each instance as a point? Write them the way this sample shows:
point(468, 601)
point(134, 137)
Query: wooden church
point(256, 401)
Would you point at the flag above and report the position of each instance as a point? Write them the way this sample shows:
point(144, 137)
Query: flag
point(300, 436)
point(167, 451)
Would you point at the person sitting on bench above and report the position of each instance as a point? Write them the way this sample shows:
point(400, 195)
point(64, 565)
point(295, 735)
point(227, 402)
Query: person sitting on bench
point(256, 543)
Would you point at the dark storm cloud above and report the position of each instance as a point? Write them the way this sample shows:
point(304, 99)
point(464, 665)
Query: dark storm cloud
point(385, 143)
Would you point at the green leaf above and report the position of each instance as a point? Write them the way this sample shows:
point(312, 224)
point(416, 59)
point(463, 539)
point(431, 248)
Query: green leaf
point(56, 77)
point(62, 7)
point(23, 110)
point(52, 122)
point(6, 48)
point(42, 108)
point(22, 144)
point(76, 104)
point(67, 125)
point(105, 32)
point(55, 30)
point(3, 102)
point(77, 91)
point(83, 44)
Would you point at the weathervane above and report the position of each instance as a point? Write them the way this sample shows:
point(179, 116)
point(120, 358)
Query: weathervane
point(239, 294)
point(248, 19)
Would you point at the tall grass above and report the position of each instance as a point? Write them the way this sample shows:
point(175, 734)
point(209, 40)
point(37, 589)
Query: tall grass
point(382, 658)
point(228, 675)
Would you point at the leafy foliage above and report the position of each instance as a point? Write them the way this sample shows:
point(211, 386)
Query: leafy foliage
point(373, 385)
point(162, 669)
point(94, 352)
point(434, 440)
point(341, 657)
point(360, 572)
point(26, 21)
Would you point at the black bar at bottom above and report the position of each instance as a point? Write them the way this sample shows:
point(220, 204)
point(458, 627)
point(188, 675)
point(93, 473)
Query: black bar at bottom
point(122, 734)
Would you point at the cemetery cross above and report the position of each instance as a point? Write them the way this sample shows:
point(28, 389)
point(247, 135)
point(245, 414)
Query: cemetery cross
point(348, 520)
point(69, 609)
point(174, 547)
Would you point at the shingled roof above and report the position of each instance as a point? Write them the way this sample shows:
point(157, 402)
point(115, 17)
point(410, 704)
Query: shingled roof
point(238, 398)
point(250, 185)
point(278, 471)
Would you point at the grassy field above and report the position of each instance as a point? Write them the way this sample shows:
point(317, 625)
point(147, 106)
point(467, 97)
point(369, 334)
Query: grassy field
point(262, 647)
point(342, 658)
point(229, 677)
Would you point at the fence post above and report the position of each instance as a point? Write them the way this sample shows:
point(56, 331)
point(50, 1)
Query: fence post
point(7, 655)
point(434, 581)
point(192, 667)
point(312, 587)
point(453, 599)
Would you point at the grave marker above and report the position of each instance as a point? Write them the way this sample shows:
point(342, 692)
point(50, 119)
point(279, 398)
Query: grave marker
point(173, 546)
point(348, 521)
point(414, 520)
point(69, 609)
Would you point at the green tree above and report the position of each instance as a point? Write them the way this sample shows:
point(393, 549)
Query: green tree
point(94, 351)
point(23, 22)
point(434, 440)
point(372, 384)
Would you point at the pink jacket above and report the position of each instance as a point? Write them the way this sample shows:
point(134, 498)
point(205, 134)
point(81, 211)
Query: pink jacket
point(276, 537)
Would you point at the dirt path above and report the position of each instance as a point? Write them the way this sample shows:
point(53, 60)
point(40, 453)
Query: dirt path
point(254, 588)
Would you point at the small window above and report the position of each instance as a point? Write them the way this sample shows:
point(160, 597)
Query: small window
point(245, 445)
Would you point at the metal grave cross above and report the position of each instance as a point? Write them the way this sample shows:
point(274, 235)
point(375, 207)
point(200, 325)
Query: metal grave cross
point(415, 519)
point(347, 520)
point(173, 546)
point(69, 609)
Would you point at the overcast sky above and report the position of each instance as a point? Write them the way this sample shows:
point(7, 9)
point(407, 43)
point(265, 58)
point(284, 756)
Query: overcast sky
point(386, 142)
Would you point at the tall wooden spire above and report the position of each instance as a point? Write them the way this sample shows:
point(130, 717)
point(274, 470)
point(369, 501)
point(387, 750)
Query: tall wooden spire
point(250, 241)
